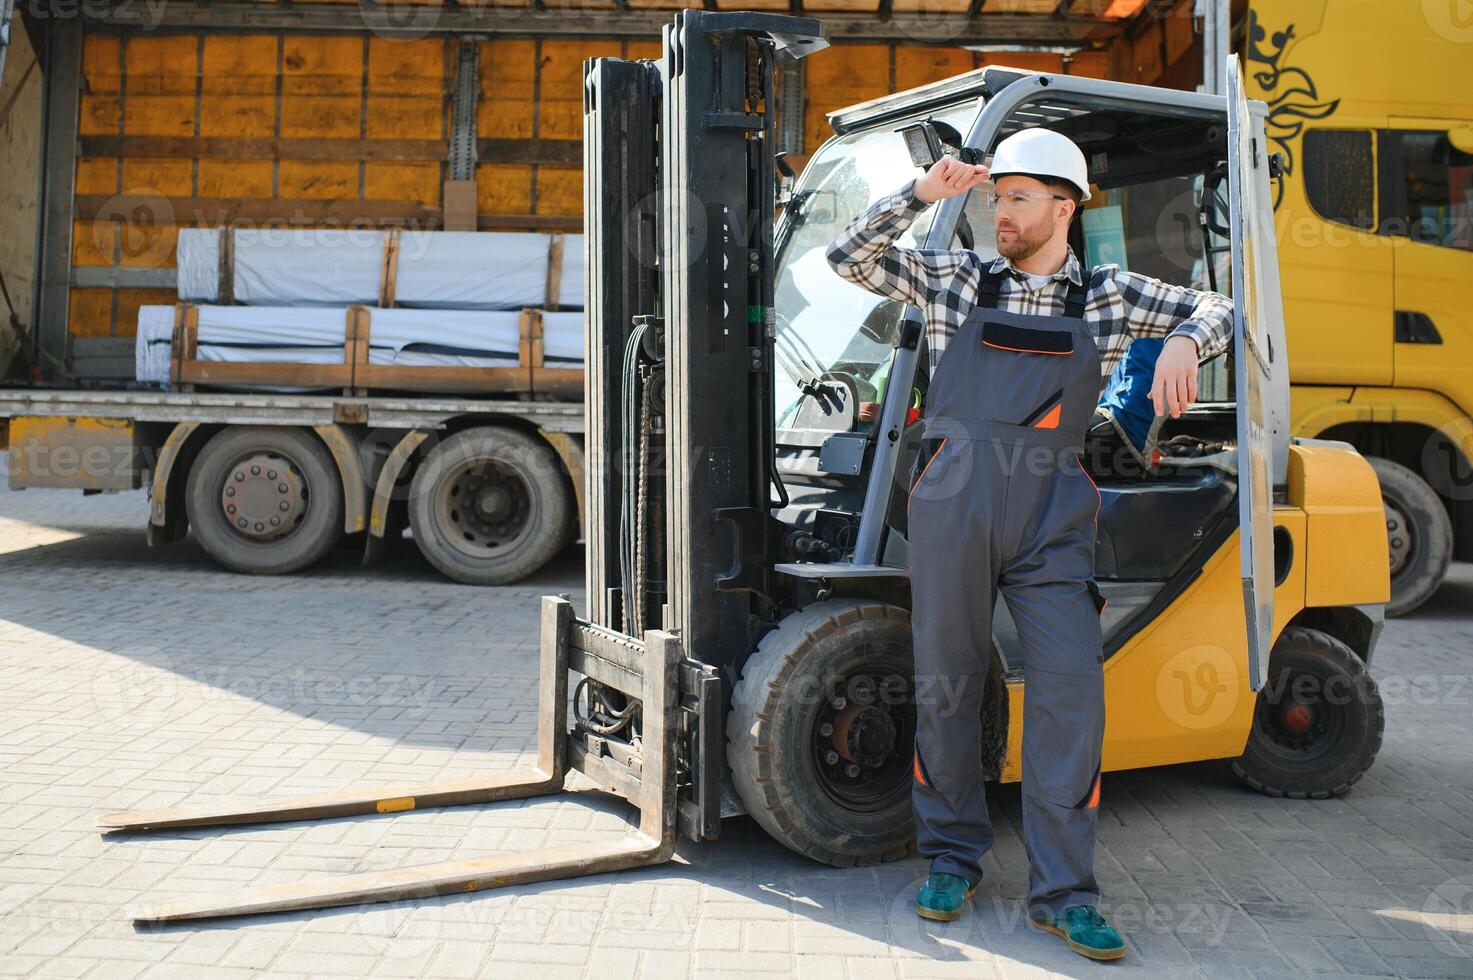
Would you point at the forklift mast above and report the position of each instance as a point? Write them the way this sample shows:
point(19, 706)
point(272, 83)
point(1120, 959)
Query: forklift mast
point(680, 187)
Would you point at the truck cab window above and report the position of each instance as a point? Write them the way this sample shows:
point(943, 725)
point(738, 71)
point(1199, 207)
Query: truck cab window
point(1339, 176)
point(1437, 181)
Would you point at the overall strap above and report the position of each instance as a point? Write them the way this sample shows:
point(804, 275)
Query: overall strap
point(1078, 295)
point(989, 286)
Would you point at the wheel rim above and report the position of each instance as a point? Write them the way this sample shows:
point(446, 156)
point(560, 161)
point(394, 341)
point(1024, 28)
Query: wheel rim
point(483, 507)
point(859, 734)
point(1400, 542)
point(1301, 726)
point(264, 496)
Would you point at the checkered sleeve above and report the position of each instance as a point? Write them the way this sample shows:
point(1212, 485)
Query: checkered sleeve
point(865, 253)
point(1153, 308)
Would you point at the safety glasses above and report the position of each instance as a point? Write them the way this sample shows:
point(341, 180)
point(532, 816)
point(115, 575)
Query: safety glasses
point(1020, 200)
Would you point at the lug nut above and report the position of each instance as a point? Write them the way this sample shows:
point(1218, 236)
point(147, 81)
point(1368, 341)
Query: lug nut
point(283, 506)
point(825, 729)
point(281, 488)
point(831, 757)
point(270, 474)
point(260, 526)
point(837, 703)
point(255, 471)
point(229, 491)
point(239, 476)
point(230, 508)
point(275, 522)
point(851, 770)
point(241, 523)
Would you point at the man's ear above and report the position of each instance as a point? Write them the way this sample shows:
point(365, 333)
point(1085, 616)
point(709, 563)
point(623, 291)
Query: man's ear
point(1069, 207)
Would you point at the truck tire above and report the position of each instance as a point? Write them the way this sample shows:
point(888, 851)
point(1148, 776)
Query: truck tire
point(265, 500)
point(490, 505)
point(1419, 535)
point(1318, 722)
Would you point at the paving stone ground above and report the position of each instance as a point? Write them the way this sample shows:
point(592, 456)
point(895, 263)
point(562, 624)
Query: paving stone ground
point(131, 678)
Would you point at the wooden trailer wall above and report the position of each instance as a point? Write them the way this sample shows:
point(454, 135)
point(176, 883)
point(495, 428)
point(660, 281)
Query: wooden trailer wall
point(201, 127)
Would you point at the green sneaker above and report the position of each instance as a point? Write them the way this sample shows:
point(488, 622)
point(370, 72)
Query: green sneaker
point(1086, 932)
point(942, 897)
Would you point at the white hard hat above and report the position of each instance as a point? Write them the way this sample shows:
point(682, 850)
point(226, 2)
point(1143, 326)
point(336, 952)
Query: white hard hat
point(1041, 153)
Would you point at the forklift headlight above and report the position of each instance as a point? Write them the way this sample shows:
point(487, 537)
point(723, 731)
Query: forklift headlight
point(923, 143)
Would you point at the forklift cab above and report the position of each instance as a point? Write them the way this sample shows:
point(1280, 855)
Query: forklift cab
point(851, 379)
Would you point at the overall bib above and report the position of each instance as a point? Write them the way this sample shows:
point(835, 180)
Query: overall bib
point(1005, 504)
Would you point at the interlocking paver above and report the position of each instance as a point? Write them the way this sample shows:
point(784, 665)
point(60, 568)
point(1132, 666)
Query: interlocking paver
point(131, 678)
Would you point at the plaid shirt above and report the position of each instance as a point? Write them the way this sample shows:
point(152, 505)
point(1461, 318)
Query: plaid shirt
point(943, 284)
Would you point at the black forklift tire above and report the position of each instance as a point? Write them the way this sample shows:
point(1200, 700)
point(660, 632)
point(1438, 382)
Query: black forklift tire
point(1419, 533)
point(1318, 722)
point(770, 727)
point(532, 492)
point(315, 508)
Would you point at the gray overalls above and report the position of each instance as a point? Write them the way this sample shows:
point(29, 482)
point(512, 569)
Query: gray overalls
point(1004, 503)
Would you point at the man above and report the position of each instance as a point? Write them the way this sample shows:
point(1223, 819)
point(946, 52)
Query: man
point(1018, 348)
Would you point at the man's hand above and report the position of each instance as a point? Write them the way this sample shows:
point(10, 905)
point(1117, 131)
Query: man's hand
point(1175, 384)
point(948, 177)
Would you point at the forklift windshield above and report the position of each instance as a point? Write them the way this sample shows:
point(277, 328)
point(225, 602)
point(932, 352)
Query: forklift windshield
point(828, 328)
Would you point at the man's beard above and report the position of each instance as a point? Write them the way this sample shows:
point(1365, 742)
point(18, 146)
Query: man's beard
point(1025, 242)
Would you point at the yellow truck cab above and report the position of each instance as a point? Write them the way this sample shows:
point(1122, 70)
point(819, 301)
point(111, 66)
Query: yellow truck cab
point(1370, 108)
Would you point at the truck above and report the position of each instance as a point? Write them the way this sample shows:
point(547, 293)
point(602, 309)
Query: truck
point(746, 644)
point(1375, 227)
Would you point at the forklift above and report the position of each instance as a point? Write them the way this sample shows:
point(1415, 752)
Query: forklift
point(752, 422)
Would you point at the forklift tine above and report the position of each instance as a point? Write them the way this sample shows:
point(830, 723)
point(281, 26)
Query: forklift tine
point(426, 881)
point(547, 777)
point(347, 803)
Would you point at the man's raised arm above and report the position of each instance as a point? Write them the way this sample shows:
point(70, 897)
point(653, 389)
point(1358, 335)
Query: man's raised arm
point(865, 252)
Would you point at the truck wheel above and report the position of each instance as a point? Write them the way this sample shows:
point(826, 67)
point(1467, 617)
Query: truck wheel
point(490, 506)
point(1419, 535)
point(265, 500)
point(1318, 723)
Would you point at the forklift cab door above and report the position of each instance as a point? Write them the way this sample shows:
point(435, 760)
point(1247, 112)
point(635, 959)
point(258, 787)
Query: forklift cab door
point(1257, 311)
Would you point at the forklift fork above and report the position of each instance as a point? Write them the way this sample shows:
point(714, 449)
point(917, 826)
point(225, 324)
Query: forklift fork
point(645, 671)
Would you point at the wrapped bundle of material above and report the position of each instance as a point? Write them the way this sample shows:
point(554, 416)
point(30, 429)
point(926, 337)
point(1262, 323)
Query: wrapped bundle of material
point(315, 335)
point(338, 267)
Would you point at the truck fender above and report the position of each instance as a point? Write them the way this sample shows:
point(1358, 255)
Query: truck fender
point(344, 449)
point(163, 468)
point(570, 451)
point(383, 491)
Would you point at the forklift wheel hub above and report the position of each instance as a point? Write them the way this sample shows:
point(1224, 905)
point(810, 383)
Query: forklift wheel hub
point(1298, 718)
point(864, 733)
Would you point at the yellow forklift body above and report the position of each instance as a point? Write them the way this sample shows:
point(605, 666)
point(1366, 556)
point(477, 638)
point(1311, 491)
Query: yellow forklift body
point(1177, 692)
